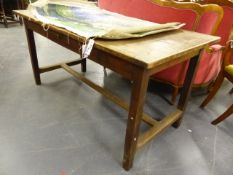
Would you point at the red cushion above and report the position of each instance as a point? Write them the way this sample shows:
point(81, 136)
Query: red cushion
point(207, 23)
point(213, 65)
point(208, 69)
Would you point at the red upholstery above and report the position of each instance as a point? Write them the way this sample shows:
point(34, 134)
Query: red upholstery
point(144, 9)
point(224, 28)
point(227, 22)
point(207, 22)
point(207, 73)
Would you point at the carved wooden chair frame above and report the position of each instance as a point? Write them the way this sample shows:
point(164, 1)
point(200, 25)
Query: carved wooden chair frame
point(228, 51)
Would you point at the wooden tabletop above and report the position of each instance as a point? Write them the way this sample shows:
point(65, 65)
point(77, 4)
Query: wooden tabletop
point(149, 51)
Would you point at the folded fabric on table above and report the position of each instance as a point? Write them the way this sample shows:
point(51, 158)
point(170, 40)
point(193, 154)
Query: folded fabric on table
point(88, 20)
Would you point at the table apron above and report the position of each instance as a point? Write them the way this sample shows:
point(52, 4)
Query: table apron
point(116, 64)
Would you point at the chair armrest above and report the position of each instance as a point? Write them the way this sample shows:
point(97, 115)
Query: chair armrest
point(214, 48)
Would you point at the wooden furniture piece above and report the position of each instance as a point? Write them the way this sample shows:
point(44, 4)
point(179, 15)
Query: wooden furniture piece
point(226, 72)
point(6, 15)
point(226, 23)
point(203, 19)
point(134, 59)
point(24, 4)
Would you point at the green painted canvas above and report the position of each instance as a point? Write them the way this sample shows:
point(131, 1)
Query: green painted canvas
point(87, 20)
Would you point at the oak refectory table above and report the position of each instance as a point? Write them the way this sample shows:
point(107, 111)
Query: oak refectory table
point(134, 59)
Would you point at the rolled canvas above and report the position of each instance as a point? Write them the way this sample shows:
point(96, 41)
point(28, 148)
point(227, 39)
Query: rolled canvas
point(88, 20)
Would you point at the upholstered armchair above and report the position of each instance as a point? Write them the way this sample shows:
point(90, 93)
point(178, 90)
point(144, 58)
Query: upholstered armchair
point(227, 21)
point(226, 72)
point(200, 18)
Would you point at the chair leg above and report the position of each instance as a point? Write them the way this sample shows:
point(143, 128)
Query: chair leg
point(216, 86)
point(5, 21)
point(105, 71)
point(20, 21)
point(174, 94)
point(210, 87)
point(222, 117)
